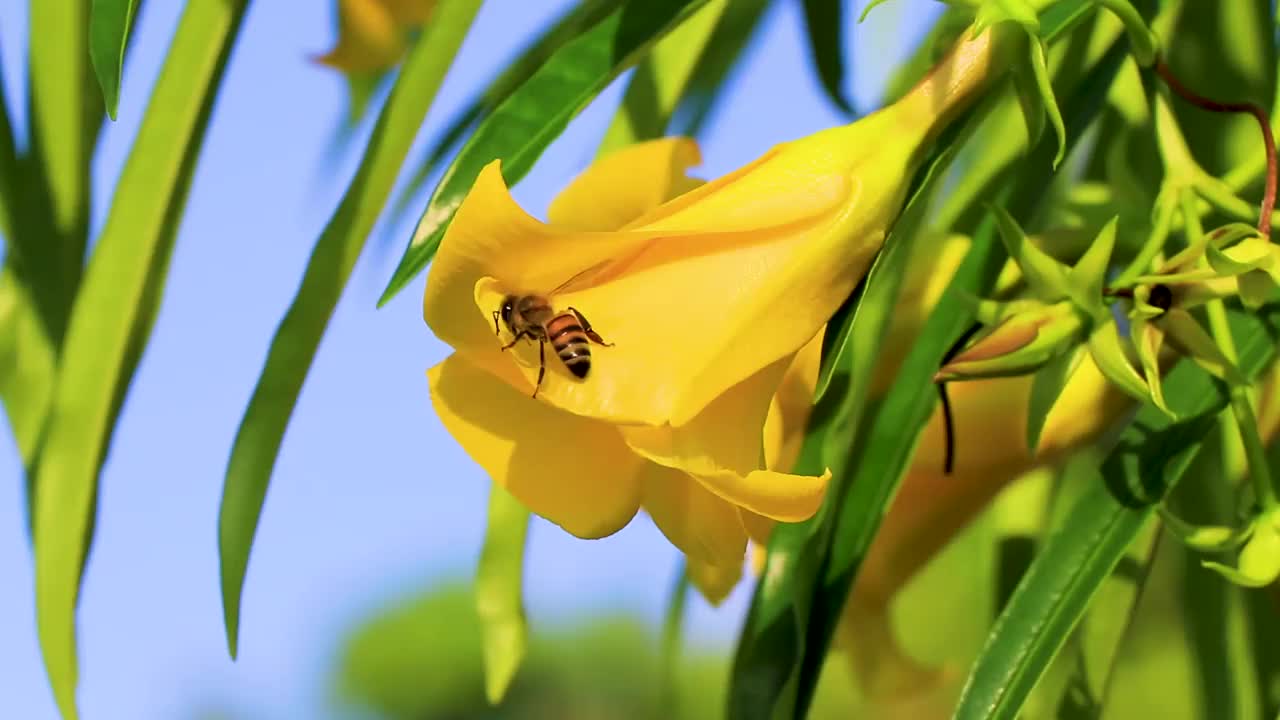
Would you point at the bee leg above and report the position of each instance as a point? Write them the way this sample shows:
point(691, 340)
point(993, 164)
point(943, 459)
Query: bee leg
point(586, 328)
point(515, 340)
point(496, 331)
point(542, 365)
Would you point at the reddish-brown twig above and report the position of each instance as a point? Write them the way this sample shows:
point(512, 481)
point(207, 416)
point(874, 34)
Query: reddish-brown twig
point(1259, 114)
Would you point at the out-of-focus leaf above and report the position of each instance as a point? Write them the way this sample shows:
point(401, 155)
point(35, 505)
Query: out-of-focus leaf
point(576, 19)
point(721, 56)
point(660, 80)
point(112, 319)
point(26, 364)
point(1053, 595)
point(499, 583)
point(1263, 628)
point(1214, 613)
point(825, 23)
point(1046, 388)
point(109, 24)
point(519, 129)
point(64, 115)
point(294, 346)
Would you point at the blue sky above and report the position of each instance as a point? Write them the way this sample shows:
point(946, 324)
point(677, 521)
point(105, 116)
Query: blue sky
point(371, 500)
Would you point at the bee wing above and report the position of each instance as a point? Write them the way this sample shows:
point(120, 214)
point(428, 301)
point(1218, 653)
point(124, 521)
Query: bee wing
point(595, 272)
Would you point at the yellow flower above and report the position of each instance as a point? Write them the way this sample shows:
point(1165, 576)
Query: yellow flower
point(373, 34)
point(706, 294)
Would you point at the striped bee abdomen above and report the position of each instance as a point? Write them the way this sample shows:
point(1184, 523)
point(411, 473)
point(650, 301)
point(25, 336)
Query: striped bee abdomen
point(571, 343)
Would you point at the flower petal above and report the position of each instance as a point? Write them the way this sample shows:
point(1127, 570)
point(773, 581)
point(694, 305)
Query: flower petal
point(573, 471)
point(626, 184)
point(722, 448)
point(789, 410)
point(702, 525)
point(715, 582)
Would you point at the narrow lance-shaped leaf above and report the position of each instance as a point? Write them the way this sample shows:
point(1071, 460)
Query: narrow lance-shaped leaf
point(1150, 457)
point(111, 320)
point(524, 125)
point(825, 24)
point(577, 18)
point(294, 346)
point(109, 24)
point(499, 580)
point(53, 196)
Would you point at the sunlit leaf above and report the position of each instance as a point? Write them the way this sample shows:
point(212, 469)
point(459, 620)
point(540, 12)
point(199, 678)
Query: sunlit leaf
point(710, 77)
point(294, 346)
point(109, 23)
point(521, 128)
point(579, 17)
point(112, 319)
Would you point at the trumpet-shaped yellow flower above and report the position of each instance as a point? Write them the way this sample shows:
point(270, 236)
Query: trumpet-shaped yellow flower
point(706, 295)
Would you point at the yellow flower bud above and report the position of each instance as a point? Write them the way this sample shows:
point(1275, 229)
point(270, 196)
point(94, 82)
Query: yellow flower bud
point(373, 34)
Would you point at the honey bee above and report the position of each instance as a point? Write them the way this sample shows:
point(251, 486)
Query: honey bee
point(532, 316)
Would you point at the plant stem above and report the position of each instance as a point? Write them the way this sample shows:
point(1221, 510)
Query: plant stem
point(1259, 114)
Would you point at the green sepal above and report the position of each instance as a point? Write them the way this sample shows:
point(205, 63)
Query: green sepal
point(1046, 388)
point(1089, 275)
point(1019, 12)
point(1028, 94)
point(1184, 331)
point(1046, 276)
point(1147, 339)
point(1108, 354)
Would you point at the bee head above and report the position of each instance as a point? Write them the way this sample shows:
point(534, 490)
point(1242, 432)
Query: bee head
point(508, 306)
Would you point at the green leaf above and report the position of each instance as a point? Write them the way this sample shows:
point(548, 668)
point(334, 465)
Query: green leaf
point(661, 79)
point(824, 22)
point(521, 128)
point(1046, 388)
point(1074, 562)
point(27, 360)
point(499, 586)
point(1151, 455)
point(51, 225)
point(112, 319)
point(294, 346)
point(1106, 627)
point(109, 24)
point(575, 20)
